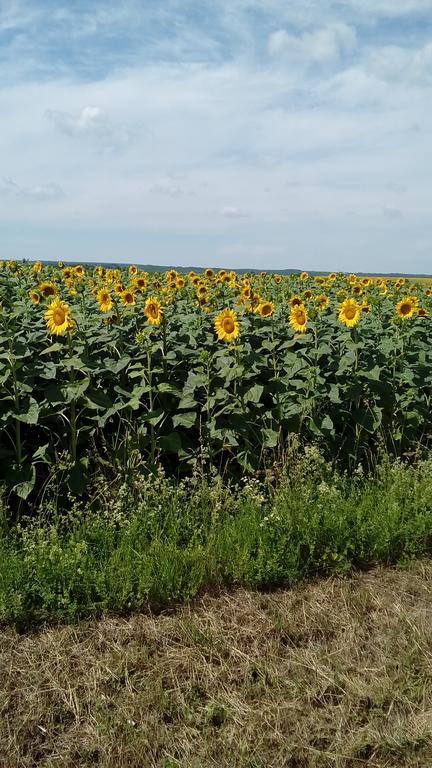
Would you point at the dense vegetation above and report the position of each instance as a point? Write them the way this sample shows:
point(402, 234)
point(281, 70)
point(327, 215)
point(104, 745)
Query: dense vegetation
point(112, 373)
point(169, 541)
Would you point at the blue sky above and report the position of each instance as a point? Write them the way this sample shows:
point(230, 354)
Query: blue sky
point(240, 133)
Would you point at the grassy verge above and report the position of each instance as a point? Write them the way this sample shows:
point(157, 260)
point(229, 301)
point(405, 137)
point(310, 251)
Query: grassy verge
point(332, 674)
point(169, 542)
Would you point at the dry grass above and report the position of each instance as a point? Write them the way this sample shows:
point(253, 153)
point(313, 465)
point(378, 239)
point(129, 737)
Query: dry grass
point(330, 674)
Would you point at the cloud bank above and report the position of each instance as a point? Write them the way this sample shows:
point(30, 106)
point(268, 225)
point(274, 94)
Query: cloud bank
point(245, 133)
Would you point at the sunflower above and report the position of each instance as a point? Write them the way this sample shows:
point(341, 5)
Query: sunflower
point(100, 271)
point(295, 301)
point(67, 273)
point(304, 276)
point(406, 308)
point(277, 279)
point(323, 302)
point(265, 309)
point(357, 289)
point(58, 318)
point(34, 297)
point(227, 326)
point(47, 289)
point(140, 282)
point(308, 294)
point(133, 270)
point(70, 285)
point(201, 290)
point(180, 283)
point(104, 300)
point(298, 318)
point(37, 267)
point(365, 307)
point(79, 270)
point(421, 312)
point(153, 311)
point(118, 288)
point(127, 297)
point(209, 272)
point(350, 312)
point(332, 276)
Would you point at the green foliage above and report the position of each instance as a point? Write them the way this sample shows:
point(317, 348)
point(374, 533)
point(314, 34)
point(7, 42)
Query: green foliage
point(118, 396)
point(172, 540)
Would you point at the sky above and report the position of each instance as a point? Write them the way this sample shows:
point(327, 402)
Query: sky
point(271, 134)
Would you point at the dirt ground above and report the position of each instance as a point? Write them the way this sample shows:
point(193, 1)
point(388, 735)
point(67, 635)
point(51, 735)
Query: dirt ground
point(331, 674)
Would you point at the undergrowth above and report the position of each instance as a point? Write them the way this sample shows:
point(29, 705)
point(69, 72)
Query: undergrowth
point(164, 542)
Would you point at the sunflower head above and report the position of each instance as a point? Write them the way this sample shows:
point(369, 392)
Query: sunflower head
point(104, 300)
point(58, 318)
point(308, 294)
point(304, 276)
point(37, 267)
point(153, 311)
point(295, 301)
point(209, 273)
point(227, 325)
point(34, 297)
point(405, 308)
point(265, 309)
point(278, 279)
point(323, 302)
point(79, 270)
point(298, 318)
point(127, 297)
point(133, 270)
point(350, 312)
point(140, 283)
point(47, 289)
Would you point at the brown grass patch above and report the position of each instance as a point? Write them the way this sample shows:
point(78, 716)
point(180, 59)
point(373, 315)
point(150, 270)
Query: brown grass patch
point(335, 674)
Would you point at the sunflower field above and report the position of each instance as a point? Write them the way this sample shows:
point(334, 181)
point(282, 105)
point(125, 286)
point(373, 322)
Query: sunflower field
point(120, 372)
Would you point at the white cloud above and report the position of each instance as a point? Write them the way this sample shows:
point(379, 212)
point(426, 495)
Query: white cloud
point(408, 65)
point(90, 122)
point(49, 191)
point(170, 190)
point(232, 212)
point(163, 141)
point(325, 45)
point(391, 212)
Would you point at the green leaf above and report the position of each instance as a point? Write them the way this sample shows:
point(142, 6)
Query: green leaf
point(171, 443)
point(77, 479)
point(270, 438)
point(185, 419)
point(24, 486)
point(253, 395)
point(327, 425)
point(31, 414)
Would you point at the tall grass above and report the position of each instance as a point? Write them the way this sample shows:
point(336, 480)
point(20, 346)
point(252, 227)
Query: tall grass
point(169, 541)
